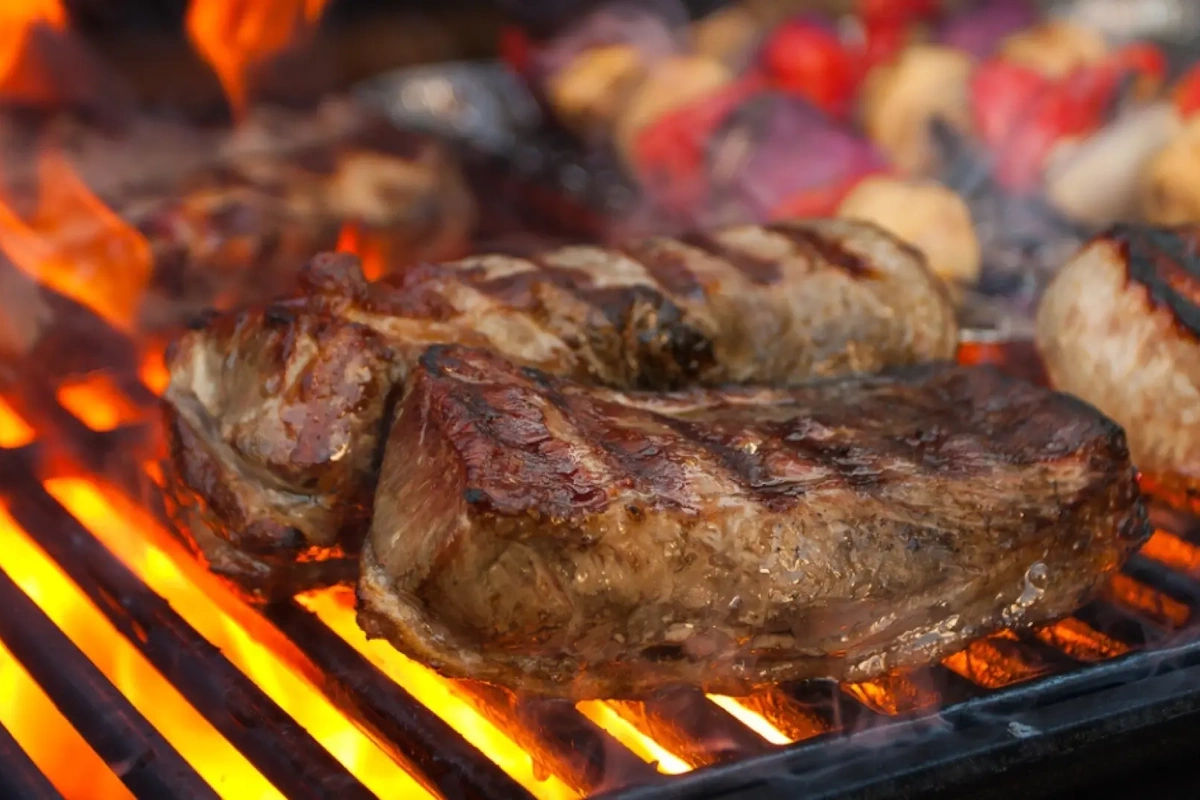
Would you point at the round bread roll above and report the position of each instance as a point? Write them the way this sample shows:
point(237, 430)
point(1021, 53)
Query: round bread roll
point(1120, 328)
point(672, 84)
point(588, 93)
point(1170, 186)
point(727, 35)
point(1097, 181)
point(903, 97)
point(1055, 48)
point(927, 216)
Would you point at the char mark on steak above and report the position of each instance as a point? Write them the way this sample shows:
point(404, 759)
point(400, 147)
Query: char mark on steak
point(579, 541)
point(1120, 327)
point(276, 414)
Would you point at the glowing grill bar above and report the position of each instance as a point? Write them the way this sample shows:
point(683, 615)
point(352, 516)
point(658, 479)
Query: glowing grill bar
point(93, 705)
point(436, 728)
point(282, 750)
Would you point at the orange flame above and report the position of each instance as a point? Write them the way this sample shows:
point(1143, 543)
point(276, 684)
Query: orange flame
point(994, 662)
point(77, 246)
point(218, 762)
point(97, 402)
point(1168, 549)
point(14, 430)
point(21, 74)
point(352, 240)
point(235, 36)
point(132, 535)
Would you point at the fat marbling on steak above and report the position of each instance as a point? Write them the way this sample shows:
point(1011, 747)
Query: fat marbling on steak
point(569, 540)
point(1120, 327)
point(276, 414)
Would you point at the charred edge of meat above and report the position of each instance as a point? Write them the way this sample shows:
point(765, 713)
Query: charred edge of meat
point(1166, 261)
point(259, 560)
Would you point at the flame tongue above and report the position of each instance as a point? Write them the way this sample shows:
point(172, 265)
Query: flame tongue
point(21, 76)
point(235, 36)
point(77, 246)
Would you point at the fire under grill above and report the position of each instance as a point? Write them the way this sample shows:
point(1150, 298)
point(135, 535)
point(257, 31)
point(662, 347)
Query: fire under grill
point(129, 671)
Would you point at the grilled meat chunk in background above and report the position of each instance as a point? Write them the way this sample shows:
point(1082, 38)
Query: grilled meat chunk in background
point(231, 216)
point(276, 415)
point(576, 541)
point(1120, 327)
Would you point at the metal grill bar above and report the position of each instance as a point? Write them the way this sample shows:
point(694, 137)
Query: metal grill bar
point(273, 742)
point(587, 758)
point(20, 778)
point(137, 753)
point(408, 730)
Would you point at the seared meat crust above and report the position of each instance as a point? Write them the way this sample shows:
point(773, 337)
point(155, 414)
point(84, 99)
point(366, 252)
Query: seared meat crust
point(577, 541)
point(276, 414)
point(1120, 327)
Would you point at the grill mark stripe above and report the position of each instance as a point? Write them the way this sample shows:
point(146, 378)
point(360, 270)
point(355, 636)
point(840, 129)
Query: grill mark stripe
point(826, 249)
point(763, 271)
point(745, 469)
point(669, 270)
point(633, 461)
point(688, 350)
point(1163, 261)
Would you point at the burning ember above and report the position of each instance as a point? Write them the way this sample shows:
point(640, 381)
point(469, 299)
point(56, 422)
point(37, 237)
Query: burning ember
point(129, 669)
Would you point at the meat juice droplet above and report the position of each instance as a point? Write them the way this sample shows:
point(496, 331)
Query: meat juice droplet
point(1033, 588)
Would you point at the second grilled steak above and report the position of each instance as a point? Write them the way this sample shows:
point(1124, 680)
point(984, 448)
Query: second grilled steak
point(574, 541)
point(1120, 327)
point(276, 414)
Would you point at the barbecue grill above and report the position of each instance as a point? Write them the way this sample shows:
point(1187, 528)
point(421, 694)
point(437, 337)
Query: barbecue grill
point(128, 670)
point(1110, 691)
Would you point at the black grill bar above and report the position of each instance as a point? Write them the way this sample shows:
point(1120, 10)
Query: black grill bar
point(273, 742)
point(137, 753)
point(976, 740)
point(1164, 579)
point(583, 753)
point(20, 778)
point(397, 720)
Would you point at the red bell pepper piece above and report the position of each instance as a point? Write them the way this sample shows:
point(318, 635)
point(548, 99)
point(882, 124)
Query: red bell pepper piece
point(807, 59)
point(1186, 94)
point(668, 154)
point(514, 47)
point(1144, 60)
point(900, 12)
point(1021, 114)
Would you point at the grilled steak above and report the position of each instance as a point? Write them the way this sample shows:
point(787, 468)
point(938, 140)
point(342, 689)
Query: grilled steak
point(577, 541)
point(237, 234)
point(276, 414)
point(1120, 327)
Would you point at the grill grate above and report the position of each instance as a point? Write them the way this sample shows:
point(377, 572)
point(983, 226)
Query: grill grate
point(1125, 662)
